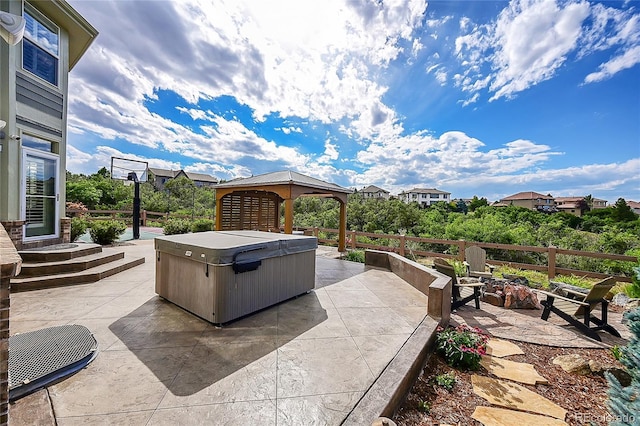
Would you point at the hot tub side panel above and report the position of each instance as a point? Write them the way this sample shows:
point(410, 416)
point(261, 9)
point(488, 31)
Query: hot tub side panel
point(298, 274)
point(184, 282)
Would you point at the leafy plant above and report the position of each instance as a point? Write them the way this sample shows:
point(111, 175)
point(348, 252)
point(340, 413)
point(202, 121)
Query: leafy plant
point(78, 227)
point(462, 346)
point(355, 256)
point(446, 380)
point(106, 232)
point(202, 225)
point(633, 289)
point(616, 352)
point(424, 406)
point(176, 226)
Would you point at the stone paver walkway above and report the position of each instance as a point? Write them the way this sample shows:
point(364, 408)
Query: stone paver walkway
point(525, 325)
point(515, 404)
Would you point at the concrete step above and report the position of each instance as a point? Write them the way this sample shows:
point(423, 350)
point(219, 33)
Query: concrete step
point(83, 277)
point(40, 269)
point(59, 252)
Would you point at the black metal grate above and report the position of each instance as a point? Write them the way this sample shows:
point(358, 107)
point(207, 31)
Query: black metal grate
point(40, 353)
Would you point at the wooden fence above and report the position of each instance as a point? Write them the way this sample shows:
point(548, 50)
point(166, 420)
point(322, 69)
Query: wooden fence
point(401, 244)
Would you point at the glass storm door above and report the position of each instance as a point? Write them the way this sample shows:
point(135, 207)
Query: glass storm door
point(40, 188)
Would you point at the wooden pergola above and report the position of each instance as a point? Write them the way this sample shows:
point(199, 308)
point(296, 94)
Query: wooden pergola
point(254, 203)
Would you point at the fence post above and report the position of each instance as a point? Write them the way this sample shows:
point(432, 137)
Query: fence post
point(402, 243)
point(315, 231)
point(552, 262)
point(461, 247)
point(353, 240)
point(143, 217)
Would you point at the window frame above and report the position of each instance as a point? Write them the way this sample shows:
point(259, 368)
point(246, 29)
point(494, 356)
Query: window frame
point(53, 28)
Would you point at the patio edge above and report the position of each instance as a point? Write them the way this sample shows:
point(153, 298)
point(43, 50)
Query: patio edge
point(390, 388)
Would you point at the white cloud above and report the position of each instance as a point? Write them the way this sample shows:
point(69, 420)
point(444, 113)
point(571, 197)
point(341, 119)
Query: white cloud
point(624, 61)
point(531, 40)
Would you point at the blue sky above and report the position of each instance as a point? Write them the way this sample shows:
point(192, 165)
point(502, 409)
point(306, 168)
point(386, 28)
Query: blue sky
point(484, 98)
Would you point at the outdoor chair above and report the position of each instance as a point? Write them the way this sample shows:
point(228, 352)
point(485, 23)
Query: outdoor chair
point(578, 311)
point(471, 290)
point(476, 262)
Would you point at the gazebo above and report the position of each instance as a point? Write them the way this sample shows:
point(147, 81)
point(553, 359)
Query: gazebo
point(254, 202)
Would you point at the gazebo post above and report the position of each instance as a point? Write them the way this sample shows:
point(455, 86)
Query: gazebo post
point(218, 212)
point(288, 216)
point(343, 227)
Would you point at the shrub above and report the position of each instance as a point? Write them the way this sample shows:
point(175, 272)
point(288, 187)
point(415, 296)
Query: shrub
point(446, 380)
point(462, 347)
point(78, 227)
point(633, 289)
point(624, 401)
point(202, 225)
point(106, 232)
point(355, 256)
point(176, 226)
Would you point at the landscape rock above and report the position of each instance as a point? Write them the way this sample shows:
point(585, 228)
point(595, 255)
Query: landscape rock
point(573, 363)
point(520, 297)
point(632, 304)
point(620, 299)
point(494, 299)
point(619, 373)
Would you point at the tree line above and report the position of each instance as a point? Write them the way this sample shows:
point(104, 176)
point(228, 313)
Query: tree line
point(615, 229)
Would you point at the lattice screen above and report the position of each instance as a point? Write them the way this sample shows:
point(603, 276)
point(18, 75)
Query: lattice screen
point(251, 210)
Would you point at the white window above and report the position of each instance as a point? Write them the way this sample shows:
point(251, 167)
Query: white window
point(40, 47)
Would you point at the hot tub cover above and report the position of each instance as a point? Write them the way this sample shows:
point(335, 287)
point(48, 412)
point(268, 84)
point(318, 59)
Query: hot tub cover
point(223, 248)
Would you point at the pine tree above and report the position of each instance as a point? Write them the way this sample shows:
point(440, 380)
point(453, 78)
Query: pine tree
point(624, 402)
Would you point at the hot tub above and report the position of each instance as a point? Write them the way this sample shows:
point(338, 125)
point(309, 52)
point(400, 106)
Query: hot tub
point(224, 275)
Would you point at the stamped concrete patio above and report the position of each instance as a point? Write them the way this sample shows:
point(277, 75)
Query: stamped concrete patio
point(315, 359)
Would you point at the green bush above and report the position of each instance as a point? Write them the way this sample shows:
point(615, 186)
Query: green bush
point(623, 401)
point(355, 256)
point(176, 226)
point(633, 289)
point(78, 227)
point(446, 380)
point(106, 232)
point(202, 225)
point(462, 346)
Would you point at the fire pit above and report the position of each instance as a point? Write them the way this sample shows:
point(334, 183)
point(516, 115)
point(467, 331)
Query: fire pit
point(512, 293)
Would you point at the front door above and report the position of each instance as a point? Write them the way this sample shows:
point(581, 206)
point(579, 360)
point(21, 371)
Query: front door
point(40, 194)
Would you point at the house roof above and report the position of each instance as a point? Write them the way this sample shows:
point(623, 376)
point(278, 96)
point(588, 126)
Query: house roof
point(81, 32)
point(282, 178)
point(373, 188)
point(633, 204)
point(425, 191)
point(530, 195)
point(201, 177)
point(164, 172)
point(569, 199)
point(174, 173)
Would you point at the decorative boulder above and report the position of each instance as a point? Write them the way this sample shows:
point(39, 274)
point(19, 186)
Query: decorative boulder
point(494, 299)
point(573, 363)
point(520, 297)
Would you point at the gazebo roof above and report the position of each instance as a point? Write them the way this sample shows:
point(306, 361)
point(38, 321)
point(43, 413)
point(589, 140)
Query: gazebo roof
point(285, 177)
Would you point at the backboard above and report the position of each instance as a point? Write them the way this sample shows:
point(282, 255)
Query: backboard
point(122, 167)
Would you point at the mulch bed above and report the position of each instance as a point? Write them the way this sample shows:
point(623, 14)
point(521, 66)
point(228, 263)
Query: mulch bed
point(584, 397)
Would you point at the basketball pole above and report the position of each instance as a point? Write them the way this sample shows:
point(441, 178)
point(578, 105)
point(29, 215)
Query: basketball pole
point(136, 204)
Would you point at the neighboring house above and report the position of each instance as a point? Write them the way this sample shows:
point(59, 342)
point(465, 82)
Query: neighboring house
point(576, 206)
point(424, 196)
point(373, 191)
point(597, 203)
point(635, 206)
point(531, 200)
point(159, 177)
point(33, 103)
